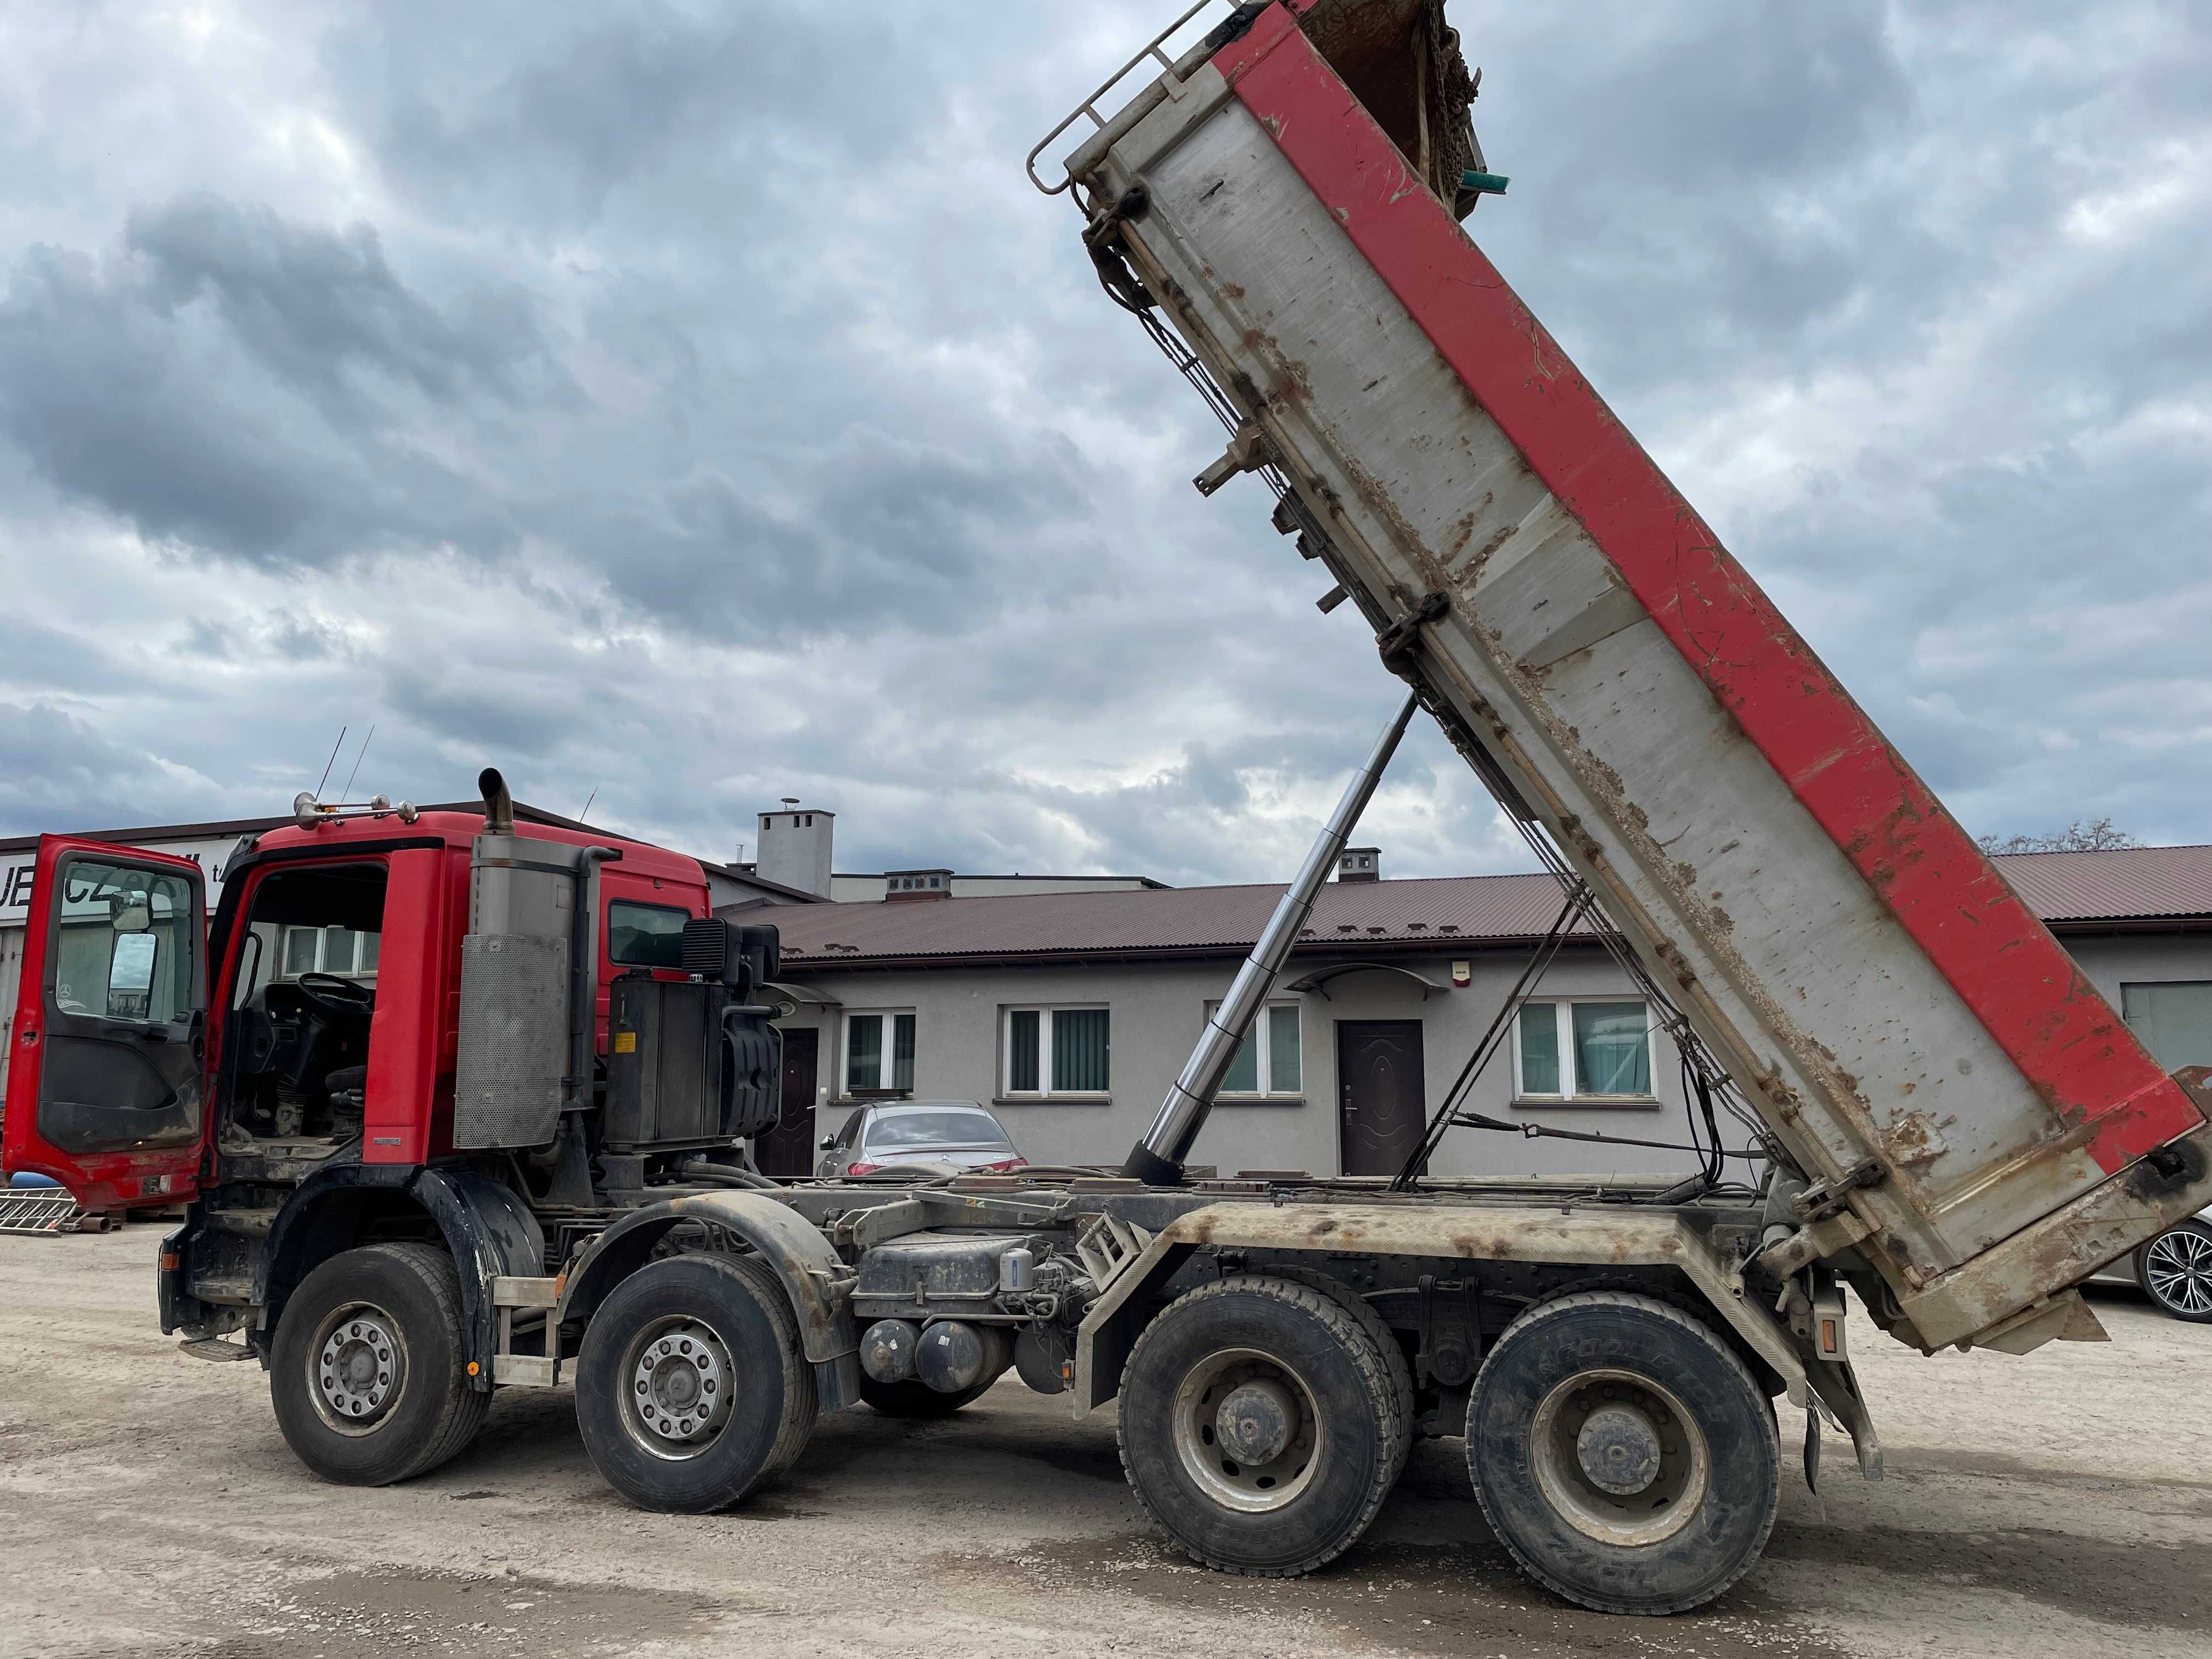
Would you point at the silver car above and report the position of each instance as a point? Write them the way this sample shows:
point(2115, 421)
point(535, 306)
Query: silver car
point(933, 1137)
point(2174, 1270)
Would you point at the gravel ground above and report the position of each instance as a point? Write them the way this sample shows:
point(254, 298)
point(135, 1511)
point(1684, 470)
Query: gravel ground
point(2057, 1505)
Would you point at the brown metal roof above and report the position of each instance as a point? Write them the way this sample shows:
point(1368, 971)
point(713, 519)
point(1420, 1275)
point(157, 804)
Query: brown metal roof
point(1437, 914)
point(2134, 883)
point(2148, 885)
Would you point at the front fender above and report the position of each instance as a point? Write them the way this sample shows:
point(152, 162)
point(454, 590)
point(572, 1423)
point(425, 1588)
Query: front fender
point(813, 1276)
point(487, 1230)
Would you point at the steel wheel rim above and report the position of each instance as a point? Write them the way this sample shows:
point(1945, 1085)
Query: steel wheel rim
point(356, 1367)
point(1248, 1488)
point(1558, 1450)
point(2178, 1270)
point(677, 1386)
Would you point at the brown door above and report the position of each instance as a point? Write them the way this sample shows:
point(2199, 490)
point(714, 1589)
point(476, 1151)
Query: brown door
point(788, 1150)
point(1381, 1094)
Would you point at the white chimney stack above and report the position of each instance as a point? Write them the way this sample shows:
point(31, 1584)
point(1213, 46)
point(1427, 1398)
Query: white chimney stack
point(795, 845)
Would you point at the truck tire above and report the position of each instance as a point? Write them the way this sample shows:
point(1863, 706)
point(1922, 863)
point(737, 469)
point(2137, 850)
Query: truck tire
point(1623, 1453)
point(1291, 1378)
point(692, 1389)
point(907, 1398)
point(369, 1371)
point(1385, 1339)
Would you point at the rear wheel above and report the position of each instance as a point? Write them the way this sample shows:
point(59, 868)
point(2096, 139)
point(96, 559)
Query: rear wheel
point(1623, 1454)
point(368, 1374)
point(1261, 1425)
point(2175, 1271)
point(692, 1389)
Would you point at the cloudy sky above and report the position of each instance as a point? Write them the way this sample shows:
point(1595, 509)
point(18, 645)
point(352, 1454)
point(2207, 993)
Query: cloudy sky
point(692, 404)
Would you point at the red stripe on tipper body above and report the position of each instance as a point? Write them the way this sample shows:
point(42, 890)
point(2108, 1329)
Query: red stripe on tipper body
point(1995, 954)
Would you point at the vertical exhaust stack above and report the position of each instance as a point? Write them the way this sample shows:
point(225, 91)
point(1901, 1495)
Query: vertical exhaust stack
point(498, 802)
point(1157, 1160)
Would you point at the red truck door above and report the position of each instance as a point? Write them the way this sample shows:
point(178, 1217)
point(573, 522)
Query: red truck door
point(107, 1086)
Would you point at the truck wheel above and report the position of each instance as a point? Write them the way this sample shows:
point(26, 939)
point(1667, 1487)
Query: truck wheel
point(907, 1398)
point(369, 1371)
point(1623, 1454)
point(1261, 1425)
point(692, 1389)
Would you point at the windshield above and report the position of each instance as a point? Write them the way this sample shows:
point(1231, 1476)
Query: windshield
point(947, 1128)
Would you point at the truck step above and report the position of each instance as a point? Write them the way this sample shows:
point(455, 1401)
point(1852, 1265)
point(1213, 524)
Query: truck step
point(214, 1348)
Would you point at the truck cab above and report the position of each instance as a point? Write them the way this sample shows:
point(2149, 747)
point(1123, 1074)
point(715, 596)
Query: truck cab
point(290, 1068)
point(313, 1025)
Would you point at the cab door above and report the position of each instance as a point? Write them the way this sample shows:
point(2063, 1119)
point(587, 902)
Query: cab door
point(106, 1084)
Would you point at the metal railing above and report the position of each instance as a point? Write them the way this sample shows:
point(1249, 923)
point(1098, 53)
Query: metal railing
point(1152, 49)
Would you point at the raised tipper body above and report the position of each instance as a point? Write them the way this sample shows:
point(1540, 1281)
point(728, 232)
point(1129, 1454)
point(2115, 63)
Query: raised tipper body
point(1974, 1117)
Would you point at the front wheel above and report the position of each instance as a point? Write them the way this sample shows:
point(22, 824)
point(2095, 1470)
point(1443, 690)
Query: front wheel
point(692, 1389)
point(2175, 1271)
point(1623, 1454)
point(1261, 1425)
point(369, 1373)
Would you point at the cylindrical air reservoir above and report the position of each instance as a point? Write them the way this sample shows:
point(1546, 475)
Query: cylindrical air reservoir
point(954, 1355)
point(887, 1350)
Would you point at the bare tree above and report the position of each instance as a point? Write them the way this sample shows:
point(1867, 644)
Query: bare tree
point(2082, 835)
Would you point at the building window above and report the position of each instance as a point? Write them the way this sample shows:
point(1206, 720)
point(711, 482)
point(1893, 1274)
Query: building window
point(878, 1052)
point(2173, 1020)
point(1057, 1051)
point(1574, 1049)
point(329, 951)
point(1270, 1062)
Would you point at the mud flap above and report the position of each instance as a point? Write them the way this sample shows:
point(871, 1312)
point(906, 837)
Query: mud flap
point(1812, 1458)
point(1835, 1395)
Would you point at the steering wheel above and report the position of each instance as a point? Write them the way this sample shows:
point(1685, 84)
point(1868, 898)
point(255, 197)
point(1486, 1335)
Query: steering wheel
point(335, 995)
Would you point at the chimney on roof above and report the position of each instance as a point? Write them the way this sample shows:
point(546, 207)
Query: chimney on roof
point(795, 847)
point(1359, 864)
point(909, 884)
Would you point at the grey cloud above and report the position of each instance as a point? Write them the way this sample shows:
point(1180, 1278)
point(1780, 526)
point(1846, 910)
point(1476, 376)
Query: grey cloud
point(57, 772)
point(545, 113)
point(191, 385)
point(316, 306)
point(702, 409)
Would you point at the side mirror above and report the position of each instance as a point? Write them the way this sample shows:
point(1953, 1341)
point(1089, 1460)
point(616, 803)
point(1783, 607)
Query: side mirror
point(828, 1143)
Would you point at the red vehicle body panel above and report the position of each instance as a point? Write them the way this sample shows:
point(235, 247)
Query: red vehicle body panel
point(97, 1180)
point(414, 1031)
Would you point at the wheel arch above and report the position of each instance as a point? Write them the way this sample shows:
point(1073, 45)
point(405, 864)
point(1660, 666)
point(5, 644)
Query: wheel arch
point(487, 1230)
point(813, 1276)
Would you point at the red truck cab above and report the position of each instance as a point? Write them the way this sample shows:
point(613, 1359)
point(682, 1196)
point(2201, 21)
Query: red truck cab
point(157, 1057)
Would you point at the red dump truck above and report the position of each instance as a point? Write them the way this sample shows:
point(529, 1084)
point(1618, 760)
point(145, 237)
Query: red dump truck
point(517, 1159)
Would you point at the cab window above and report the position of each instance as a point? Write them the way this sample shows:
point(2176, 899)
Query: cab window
point(645, 935)
point(123, 943)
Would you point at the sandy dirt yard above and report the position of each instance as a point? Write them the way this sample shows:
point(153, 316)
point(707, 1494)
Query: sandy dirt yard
point(2057, 1505)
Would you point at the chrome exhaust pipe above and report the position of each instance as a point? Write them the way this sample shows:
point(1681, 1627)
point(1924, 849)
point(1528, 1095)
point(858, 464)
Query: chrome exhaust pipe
point(498, 803)
point(1157, 1160)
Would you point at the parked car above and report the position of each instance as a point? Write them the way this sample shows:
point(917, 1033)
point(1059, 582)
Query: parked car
point(940, 1136)
point(2174, 1270)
